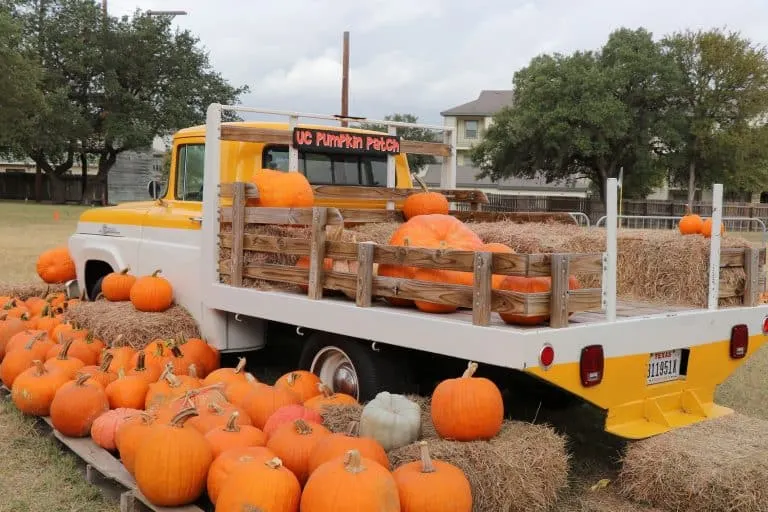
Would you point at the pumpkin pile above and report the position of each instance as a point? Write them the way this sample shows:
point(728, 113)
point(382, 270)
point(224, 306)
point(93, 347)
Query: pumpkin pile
point(692, 224)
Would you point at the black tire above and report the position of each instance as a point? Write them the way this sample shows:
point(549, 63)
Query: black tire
point(95, 290)
point(377, 370)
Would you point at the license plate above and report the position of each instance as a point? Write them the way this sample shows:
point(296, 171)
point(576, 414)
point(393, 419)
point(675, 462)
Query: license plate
point(664, 366)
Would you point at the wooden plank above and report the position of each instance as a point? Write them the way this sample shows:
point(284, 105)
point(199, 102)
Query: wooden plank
point(264, 215)
point(540, 264)
point(417, 147)
point(240, 133)
point(370, 215)
point(363, 296)
point(734, 256)
point(559, 302)
point(238, 229)
point(487, 216)
point(752, 281)
point(482, 288)
point(317, 253)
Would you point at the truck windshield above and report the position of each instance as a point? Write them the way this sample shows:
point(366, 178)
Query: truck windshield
point(331, 168)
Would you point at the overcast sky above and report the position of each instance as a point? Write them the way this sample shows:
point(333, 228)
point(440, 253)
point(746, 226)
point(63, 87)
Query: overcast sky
point(418, 56)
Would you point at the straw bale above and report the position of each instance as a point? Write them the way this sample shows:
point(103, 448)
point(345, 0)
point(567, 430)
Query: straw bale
point(106, 320)
point(24, 291)
point(522, 469)
point(715, 465)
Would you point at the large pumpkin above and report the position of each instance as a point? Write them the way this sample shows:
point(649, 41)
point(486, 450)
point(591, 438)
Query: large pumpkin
point(267, 486)
point(117, 285)
point(530, 285)
point(294, 442)
point(56, 266)
point(392, 420)
point(424, 203)
point(234, 435)
point(171, 466)
point(691, 224)
point(34, 389)
point(467, 408)
point(76, 406)
point(283, 189)
point(127, 391)
point(350, 484)
point(229, 461)
point(432, 485)
point(152, 293)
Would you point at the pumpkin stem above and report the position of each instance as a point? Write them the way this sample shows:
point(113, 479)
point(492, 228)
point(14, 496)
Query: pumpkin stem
point(353, 462)
point(125, 270)
point(182, 416)
point(353, 430)
point(81, 378)
point(39, 367)
point(274, 463)
point(34, 339)
point(154, 274)
point(470, 371)
point(240, 365)
point(108, 357)
point(249, 378)
point(325, 390)
point(141, 362)
point(215, 408)
point(420, 182)
point(192, 371)
point(302, 427)
point(176, 351)
point(64, 349)
point(121, 373)
point(292, 378)
point(426, 460)
point(232, 425)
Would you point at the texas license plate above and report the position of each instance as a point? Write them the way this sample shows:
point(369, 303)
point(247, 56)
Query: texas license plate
point(664, 366)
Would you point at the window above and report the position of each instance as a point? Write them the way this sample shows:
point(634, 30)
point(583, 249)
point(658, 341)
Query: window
point(331, 169)
point(470, 129)
point(189, 172)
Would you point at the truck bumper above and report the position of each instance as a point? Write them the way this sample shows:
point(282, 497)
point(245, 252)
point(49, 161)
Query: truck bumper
point(636, 409)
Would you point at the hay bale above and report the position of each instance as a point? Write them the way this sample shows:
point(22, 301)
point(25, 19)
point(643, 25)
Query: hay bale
point(522, 469)
point(24, 291)
point(106, 320)
point(716, 465)
point(337, 418)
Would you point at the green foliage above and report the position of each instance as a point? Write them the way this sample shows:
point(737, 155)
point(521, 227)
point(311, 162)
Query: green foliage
point(717, 128)
point(584, 115)
point(415, 162)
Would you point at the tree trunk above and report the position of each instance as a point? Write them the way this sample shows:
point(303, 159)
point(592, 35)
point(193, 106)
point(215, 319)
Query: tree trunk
point(38, 183)
point(58, 189)
point(83, 177)
point(691, 183)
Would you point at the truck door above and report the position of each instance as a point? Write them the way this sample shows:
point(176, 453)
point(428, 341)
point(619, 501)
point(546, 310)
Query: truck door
point(171, 237)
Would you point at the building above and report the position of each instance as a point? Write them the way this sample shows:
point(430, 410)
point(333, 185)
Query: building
point(471, 121)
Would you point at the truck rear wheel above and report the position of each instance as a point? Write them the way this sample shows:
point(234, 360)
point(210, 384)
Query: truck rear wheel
point(354, 367)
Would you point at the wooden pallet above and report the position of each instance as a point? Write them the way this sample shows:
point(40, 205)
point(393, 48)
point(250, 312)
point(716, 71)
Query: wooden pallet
point(105, 471)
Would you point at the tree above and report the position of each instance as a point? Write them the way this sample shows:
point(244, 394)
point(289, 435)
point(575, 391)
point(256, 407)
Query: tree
point(717, 128)
point(415, 162)
point(585, 115)
point(111, 85)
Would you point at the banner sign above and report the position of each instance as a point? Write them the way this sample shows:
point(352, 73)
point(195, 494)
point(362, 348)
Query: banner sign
point(345, 142)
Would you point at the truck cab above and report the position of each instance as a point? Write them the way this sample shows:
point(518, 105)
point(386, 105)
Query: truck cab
point(165, 233)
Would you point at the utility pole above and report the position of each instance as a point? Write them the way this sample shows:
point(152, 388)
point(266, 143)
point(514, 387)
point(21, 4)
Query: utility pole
point(104, 7)
point(344, 80)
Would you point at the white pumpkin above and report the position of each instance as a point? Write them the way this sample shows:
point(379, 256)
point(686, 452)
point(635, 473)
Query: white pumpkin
point(392, 420)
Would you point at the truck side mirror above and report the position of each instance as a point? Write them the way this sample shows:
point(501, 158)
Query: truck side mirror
point(155, 189)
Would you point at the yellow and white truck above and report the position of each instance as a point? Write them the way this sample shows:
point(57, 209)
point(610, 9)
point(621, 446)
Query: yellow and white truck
point(650, 370)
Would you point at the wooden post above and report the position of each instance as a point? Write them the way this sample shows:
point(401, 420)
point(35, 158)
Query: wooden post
point(558, 304)
point(365, 252)
point(752, 280)
point(317, 253)
point(483, 274)
point(238, 232)
point(345, 80)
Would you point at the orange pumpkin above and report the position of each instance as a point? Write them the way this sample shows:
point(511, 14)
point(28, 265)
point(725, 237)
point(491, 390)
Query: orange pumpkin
point(432, 485)
point(34, 389)
point(152, 293)
point(328, 398)
point(229, 462)
point(424, 203)
point(129, 436)
point(69, 365)
point(149, 373)
point(440, 276)
point(9, 328)
point(105, 427)
point(202, 353)
point(237, 391)
point(277, 490)
point(336, 445)
point(226, 376)
point(467, 408)
point(350, 483)
point(530, 285)
point(172, 463)
point(264, 400)
point(19, 340)
point(100, 374)
point(46, 322)
point(76, 406)
point(117, 285)
point(127, 392)
point(290, 413)
point(294, 442)
point(301, 382)
point(215, 416)
point(691, 224)
point(279, 189)
point(181, 361)
point(168, 388)
point(36, 305)
point(121, 358)
point(56, 266)
point(234, 435)
point(706, 228)
point(19, 360)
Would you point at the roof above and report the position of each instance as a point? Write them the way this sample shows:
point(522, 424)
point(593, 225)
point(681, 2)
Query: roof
point(465, 177)
point(488, 103)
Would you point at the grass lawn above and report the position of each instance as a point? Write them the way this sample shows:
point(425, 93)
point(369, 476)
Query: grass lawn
point(36, 475)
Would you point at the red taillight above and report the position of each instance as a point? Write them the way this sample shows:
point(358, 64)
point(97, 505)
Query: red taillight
point(547, 356)
point(591, 365)
point(765, 325)
point(739, 341)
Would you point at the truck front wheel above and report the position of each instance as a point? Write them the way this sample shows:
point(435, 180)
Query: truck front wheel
point(355, 367)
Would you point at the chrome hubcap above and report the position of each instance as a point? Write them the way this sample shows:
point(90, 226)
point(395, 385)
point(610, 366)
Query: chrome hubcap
point(336, 371)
